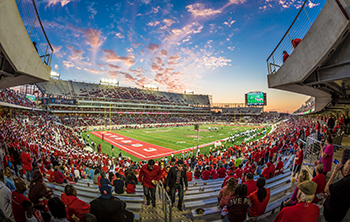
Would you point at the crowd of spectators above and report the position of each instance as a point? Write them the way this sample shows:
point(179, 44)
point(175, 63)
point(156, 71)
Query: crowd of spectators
point(14, 97)
point(37, 147)
point(81, 90)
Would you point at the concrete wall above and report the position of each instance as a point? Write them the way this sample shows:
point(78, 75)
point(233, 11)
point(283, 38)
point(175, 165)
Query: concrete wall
point(326, 32)
point(18, 47)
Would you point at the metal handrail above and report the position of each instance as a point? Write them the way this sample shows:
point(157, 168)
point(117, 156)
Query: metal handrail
point(299, 27)
point(35, 29)
point(285, 34)
point(166, 202)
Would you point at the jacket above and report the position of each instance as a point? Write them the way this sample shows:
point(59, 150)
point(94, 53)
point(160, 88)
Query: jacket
point(146, 176)
point(5, 201)
point(171, 178)
point(37, 188)
point(112, 209)
point(74, 206)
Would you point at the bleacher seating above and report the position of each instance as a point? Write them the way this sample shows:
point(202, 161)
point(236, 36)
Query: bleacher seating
point(81, 90)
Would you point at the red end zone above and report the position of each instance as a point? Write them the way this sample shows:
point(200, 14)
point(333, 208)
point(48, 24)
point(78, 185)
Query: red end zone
point(139, 149)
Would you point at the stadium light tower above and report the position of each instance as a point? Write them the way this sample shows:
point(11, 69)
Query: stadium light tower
point(109, 82)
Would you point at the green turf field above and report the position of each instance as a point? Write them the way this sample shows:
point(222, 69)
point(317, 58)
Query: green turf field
point(175, 138)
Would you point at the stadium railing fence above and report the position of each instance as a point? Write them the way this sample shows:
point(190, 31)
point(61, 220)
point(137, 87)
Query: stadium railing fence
point(166, 202)
point(35, 29)
point(300, 26)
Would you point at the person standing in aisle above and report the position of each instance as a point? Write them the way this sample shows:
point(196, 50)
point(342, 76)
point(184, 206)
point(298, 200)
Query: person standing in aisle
point(149, 176)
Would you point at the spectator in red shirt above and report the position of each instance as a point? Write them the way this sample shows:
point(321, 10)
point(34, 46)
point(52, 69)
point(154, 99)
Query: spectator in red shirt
point(239, 172)
point(285, 56)
point(27, 164)
point(74, 206)
point(251, 184)
point(149, 176)
point(259, 199)
point(298, 160)
point(49, 174)
point(295, 42)
point(17, 198)
point(320, 180)
point(267, 171)
point(279, 165)
point(227, 192)
point(222, 172)
point(206, 174)
point(59, 178)
point(304, 210)
point(214, 174)
point(230, 175)
point(189, 175)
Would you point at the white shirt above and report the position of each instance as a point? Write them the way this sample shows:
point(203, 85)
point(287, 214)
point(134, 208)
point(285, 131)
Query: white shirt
point(5, 201)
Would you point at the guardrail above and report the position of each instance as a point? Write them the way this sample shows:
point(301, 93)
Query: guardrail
point(313, 146)
point(35, 29)
point(166, 202)
point(298, 29)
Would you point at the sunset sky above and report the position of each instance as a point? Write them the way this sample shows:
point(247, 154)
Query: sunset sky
point(211, 47)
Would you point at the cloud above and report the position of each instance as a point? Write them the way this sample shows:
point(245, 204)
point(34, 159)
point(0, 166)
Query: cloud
point(174, 57)
point(112, 56)
point(93, 37)
point(229, 23)
point(168, 22)
point(50, 3)
point(213, 62)
point(68, 64)
point(56, 66)
point(76, 54)
point(155, 23)
point(284, 4)
point(120, 35)
point(164, 52)
point(113, 66)
point(194, 27)
point(198, 9)
point(145, 1)
point(153, 47)
point(92, 10)
point(94, 71)
point(56, 50)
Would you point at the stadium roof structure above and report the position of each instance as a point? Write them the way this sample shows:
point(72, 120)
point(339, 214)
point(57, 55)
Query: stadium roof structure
point(319, 65)
point(25, 51)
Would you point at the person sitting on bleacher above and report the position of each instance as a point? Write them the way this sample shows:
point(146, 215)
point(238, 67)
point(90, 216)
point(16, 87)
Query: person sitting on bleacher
point(227, 192)
point(58, 175)
point(230, 175)
point(222, 172)
point(273, 168)
point(250, 182)
point(259, 199)
point(239, 172)
point(119, 184)
point(280, 165)
point(197, 173)
point(267, 171)
point(214, 174)
point(189, 174)
point(110, 208)
point(206, 174)
point(238, 205)
point(304, 210)
point(57, 210)
point(304, 176)
point(74, 205)
point(320, 180)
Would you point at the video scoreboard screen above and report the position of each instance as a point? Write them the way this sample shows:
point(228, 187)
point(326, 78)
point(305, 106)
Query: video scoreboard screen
point(255, 99)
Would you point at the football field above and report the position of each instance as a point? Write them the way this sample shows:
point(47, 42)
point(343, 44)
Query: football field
point(155, 143)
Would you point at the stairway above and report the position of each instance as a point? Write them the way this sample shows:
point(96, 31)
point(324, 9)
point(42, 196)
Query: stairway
point(150, 214)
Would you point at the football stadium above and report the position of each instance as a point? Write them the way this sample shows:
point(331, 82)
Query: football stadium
point(159, 111)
